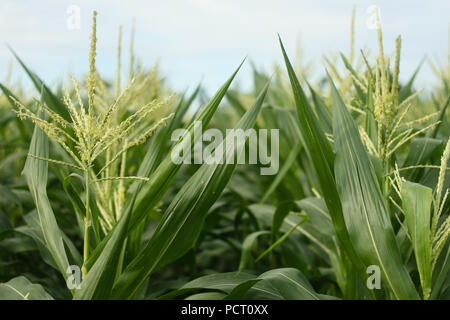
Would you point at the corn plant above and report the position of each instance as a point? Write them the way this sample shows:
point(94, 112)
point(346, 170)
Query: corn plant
point(362, 189)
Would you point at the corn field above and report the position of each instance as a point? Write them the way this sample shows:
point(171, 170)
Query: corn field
point(92, 205)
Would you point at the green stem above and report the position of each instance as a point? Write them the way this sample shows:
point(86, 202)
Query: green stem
point(87, 223)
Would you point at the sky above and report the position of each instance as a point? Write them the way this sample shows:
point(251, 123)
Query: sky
point(205, 40)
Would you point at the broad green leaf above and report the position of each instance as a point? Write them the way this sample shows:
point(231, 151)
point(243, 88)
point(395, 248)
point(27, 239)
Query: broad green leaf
point(35, 173)
point(416, 203)
point(286, 284)
point(364, 208)
point(317, 212)
point(241, 290)
point(182, 221)
point(223, 282)
point(33, 230)
point(321, 155)
point(207, 296)
point(276, 284)
point(20, 288)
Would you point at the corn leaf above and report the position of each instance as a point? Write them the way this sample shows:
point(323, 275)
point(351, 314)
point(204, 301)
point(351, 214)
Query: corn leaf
point(20, 288)
point(322, 157)
point(35, 173)
point(364, 208)
point(276, 284)
point(285, 283)
point(182, 221)
point(416, 202)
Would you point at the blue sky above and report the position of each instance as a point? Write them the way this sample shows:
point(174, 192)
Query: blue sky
point(206, 39)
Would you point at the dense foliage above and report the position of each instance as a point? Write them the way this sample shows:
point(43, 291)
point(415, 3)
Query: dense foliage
point(86, 179)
